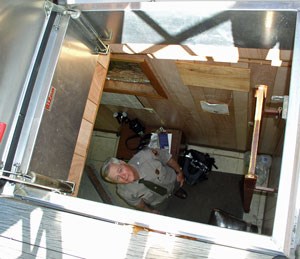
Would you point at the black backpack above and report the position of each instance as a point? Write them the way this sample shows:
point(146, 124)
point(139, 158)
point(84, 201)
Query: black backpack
point(196, 166)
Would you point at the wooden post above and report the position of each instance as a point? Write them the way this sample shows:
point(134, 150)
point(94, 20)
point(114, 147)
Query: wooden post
point(250, 177)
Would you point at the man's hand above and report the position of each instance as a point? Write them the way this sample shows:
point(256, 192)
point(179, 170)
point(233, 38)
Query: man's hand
point(143, 206)
point(179, 174)
point(180, 177)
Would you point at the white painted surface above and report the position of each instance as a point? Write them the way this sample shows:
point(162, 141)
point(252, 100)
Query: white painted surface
point(31, 231)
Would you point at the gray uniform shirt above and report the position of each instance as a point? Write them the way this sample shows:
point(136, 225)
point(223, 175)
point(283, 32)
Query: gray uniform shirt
point(151, 167)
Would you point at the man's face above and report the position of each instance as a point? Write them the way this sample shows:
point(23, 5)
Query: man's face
point(121, 173)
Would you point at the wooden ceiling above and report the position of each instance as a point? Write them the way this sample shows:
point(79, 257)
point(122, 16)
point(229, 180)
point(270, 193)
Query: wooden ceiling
point(183, 80)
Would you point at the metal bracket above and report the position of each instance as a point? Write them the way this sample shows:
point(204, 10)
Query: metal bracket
point(272, 111)
point(285, 102)
point(266, 189)
point(83, 24)
point(91, 35)
point(39, 181)
point(48, 8)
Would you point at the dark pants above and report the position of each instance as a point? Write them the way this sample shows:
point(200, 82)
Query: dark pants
point(163, 206)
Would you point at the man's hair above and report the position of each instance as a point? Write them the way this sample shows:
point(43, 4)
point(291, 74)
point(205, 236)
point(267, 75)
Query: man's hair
point(106, 165)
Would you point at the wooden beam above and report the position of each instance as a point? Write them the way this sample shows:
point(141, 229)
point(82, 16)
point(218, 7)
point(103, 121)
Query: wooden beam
point(200, 53)
point(138, 89)
point(87, 122)
point(261, 93)
point(250, 178)
point(249, 186)
point(218, 77)
point(128, 58)
point(153, 78)
point(97, 184)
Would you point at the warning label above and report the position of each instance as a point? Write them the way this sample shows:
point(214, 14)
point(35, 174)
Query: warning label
point(50, 98)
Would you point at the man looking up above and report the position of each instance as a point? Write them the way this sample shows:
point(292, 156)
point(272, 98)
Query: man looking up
point(148, 179)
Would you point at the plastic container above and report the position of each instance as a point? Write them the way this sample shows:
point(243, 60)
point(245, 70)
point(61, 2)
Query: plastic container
point(262, 168)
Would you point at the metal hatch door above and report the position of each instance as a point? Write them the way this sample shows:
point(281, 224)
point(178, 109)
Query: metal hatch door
point(56, 139)
point(52, 112)
point(23, 24)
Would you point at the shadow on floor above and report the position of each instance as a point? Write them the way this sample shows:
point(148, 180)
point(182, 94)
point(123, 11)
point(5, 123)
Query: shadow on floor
point(220, 190)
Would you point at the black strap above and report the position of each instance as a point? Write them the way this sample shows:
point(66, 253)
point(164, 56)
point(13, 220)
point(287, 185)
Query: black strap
point(154, 187)
point(143, 141)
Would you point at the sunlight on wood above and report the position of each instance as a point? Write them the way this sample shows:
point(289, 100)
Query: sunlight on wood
point(250, 178)
point(274, 56)
point(196, 52)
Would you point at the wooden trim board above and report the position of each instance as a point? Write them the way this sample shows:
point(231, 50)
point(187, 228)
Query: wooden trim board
point(88, 121)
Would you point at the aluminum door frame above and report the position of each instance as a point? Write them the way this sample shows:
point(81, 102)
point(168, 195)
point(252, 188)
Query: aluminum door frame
point(287, 212)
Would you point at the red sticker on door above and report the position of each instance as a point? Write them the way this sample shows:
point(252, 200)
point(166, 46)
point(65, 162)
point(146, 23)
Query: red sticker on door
point(50, 98)
point(2, 130)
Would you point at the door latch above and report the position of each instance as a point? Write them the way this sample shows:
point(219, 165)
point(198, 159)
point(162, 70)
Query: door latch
point(285, 102)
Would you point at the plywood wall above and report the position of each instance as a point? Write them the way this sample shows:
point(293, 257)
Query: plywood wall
point(188, 82)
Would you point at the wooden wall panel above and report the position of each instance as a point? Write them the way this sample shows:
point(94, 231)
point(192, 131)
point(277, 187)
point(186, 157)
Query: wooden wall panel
point(212, 76)
point(241, 118)
point(218, 130)
point(181, 109)
point(172, 113)
point(105, 120)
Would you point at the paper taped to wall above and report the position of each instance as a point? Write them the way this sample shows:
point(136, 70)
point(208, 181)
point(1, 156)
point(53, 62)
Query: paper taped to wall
point(218, 108)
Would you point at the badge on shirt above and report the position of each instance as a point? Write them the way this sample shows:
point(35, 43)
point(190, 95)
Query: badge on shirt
point(155, 152)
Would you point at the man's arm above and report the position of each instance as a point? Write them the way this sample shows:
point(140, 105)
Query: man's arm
point(179, 174)
point(171, 163)
point(143, 206)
